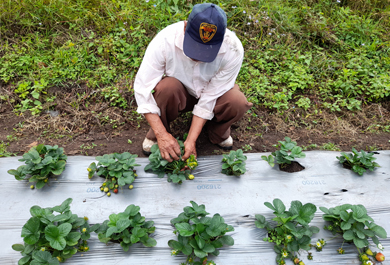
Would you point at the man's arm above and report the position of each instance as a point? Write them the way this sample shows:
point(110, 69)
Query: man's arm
point(190, 143)
point(168, 145)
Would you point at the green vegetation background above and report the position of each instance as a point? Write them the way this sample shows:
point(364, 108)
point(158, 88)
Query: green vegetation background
point(313, 55)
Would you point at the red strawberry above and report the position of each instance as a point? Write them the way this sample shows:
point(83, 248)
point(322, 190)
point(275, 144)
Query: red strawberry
point(380, 257)
point(116, 191)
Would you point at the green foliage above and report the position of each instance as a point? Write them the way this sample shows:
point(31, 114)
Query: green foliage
point(282, 156)
point(199, 235)
point(177, 171)
point(50, 238)
point(30, 95)
point(233, 163)
point(337, 52)
point(127, 228)
point(359, 162)
point(292, 232)
point(117, 169)
point(113, 95)
point(42, 162)
point(354, 224)
point(303, 103)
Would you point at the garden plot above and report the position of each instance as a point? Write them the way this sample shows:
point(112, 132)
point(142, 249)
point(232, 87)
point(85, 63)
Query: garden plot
point(323, 182)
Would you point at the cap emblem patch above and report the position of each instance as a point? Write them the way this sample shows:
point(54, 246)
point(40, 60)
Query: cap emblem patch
point(207, 31)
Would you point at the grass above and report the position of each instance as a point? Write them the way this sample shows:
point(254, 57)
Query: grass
point(311, 56)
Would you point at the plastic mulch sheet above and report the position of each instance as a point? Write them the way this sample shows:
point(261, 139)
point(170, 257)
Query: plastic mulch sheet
point(324, 182)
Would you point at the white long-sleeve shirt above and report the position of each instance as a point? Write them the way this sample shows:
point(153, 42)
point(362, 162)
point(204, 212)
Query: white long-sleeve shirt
point(205, 81)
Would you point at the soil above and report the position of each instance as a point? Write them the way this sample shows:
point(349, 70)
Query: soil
point(291, 168)
point(88, 125)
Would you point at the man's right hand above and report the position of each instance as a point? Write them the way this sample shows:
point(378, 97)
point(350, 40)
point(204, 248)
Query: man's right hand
point(169, 147)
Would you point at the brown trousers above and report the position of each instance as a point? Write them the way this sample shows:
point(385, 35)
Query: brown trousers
point(172, 98)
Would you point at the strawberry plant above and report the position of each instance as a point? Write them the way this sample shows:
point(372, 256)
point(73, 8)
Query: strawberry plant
point(177, 171)
point(292, 232)
point(233, 164)
point(282, 156)
point(41, 162)
point(355, 226)
point(358, 162)
point(198, 235)
point(127, 228)
point(117, 169)
point(50, 238)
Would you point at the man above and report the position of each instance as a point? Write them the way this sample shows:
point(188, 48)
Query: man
point(191, 65)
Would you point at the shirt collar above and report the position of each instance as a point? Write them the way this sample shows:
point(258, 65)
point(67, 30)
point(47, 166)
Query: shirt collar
point(180, 39)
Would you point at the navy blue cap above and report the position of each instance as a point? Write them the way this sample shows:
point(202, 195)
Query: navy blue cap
point(204, 33)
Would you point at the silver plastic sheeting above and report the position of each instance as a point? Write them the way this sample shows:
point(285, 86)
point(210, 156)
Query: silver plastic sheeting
point(324, 182)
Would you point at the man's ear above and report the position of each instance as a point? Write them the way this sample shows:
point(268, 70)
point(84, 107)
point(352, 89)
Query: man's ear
point(185, 25)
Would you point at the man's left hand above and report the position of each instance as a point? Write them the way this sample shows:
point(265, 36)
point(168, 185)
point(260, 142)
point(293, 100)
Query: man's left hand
point(190, 149)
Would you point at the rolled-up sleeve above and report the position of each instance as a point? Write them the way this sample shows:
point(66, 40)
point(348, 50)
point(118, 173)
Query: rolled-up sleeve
point(149, 74)
point(222, 82)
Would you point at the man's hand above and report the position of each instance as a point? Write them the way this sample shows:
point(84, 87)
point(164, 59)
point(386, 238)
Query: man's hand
point(190, 149)
point(169, 147)
point(190, 144)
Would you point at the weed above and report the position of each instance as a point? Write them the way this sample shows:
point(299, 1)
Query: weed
point(88, 146)
point(330, 147)
point(3, 150)
point(246, 148)
point(309, 147)
point(11, 138)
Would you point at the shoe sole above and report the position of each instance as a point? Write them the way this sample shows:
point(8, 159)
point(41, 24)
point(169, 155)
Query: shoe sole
point(226, 147)
point(146, 153)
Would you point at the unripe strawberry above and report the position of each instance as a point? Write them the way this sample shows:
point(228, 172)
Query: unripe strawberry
point(131, 187)
point(364, 257)
point(106, 189)
point(32, 187)
point(108, 194)
point(86, 248)
point(296, 261)
point(45, 180)
point(369, 252)
point(301, 263)
point(191, 176)
point(89, 169)
point(380, 257)
point(135, 175)
point(116, 186)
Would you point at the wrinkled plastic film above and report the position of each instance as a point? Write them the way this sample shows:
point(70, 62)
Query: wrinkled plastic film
point(324, 182)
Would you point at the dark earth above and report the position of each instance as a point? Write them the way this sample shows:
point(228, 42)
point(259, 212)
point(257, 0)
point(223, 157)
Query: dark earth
point(88, 125)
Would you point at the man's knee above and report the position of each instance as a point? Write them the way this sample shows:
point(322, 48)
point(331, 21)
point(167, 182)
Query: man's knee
point(233, 101)
point(167, 87)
